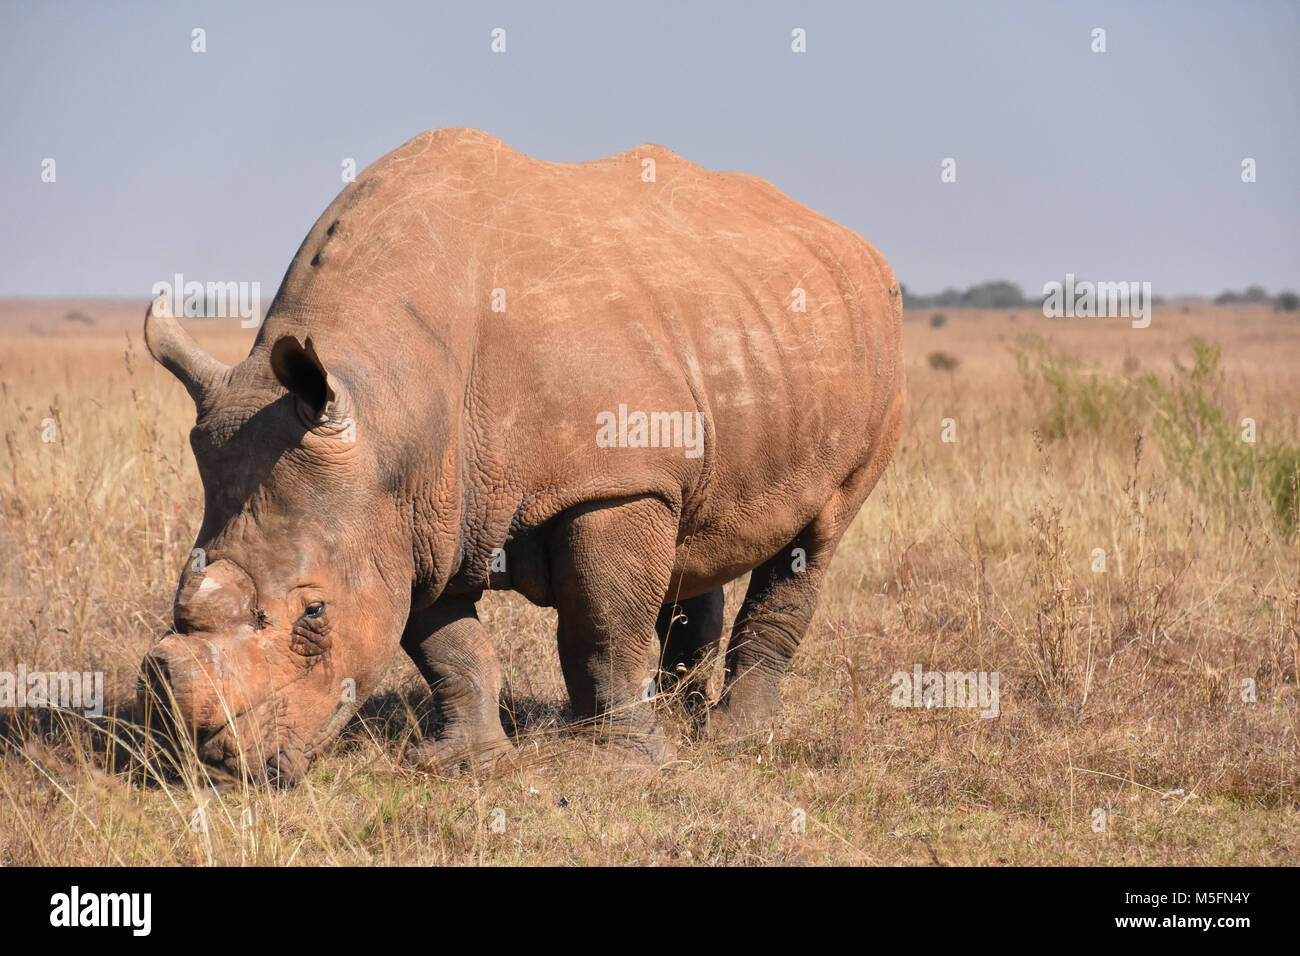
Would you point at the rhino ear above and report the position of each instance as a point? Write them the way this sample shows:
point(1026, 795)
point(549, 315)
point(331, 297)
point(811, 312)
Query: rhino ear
point(299, 369)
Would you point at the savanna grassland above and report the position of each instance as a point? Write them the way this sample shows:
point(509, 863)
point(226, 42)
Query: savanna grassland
point(1148, 711)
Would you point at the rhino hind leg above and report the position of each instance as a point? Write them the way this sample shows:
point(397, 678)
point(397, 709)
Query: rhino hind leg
point(776, 612)
point(690, 631)
point(610, 565)
point(777, 609)
point(782, 597)
point(453, 652)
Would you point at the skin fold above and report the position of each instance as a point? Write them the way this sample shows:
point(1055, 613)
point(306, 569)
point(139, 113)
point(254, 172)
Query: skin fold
point(425, 415)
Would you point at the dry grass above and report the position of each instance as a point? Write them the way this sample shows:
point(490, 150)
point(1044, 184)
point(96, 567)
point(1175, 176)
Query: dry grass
point(1120, 691)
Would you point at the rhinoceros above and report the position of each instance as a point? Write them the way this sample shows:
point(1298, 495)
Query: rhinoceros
point(611, 387)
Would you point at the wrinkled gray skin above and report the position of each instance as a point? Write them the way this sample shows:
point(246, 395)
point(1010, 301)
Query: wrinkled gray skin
point(417, 422)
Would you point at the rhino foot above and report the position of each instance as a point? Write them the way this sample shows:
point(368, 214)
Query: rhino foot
point(724, 724)
point(452, 753)
point(648, 749)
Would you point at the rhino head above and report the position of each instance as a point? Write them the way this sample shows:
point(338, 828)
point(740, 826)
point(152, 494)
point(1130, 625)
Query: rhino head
point(295, 596)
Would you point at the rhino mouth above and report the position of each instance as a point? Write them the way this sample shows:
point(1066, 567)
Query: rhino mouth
point(259, 743)
point(275, 760)
point(276, 755)
point(263, 751)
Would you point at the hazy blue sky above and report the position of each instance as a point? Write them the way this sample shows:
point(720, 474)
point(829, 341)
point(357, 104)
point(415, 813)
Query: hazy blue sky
point(1117, 166)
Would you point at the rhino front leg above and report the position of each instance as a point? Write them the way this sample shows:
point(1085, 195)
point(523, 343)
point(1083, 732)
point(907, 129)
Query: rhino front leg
point(448, 644)
point(610, 565)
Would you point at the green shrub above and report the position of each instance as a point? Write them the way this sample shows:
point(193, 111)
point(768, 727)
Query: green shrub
point(1205, 446)
point(942, 361)
point(1201, 442)
point(1074, 398)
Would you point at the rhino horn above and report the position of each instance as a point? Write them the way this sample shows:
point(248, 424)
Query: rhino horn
point(176, 350)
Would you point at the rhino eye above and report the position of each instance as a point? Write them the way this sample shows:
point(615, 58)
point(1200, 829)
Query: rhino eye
point(311, 632)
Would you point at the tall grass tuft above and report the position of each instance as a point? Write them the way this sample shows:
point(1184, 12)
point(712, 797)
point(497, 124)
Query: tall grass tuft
point(1201, 442)
point(1074, 397)
point(1207, 447)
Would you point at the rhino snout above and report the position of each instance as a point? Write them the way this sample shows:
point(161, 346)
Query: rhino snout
point(219, 693)
point(185, 675)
